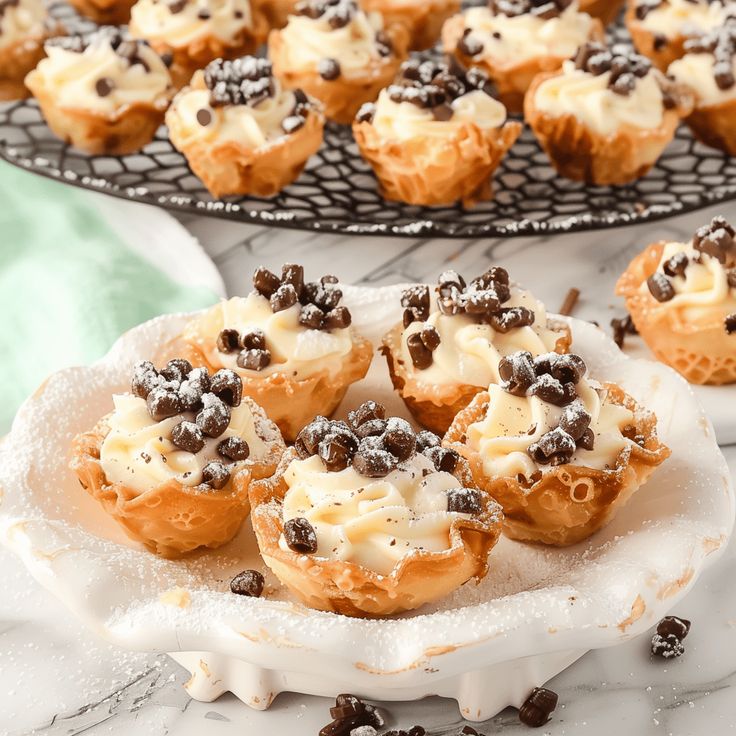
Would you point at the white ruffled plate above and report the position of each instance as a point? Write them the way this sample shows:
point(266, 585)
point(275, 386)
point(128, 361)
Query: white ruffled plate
point(486, 646)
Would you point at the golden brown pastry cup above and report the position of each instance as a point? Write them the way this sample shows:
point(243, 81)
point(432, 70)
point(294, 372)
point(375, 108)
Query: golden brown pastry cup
point(512, 80)
point(433, 170)
point(582, 154)
point(435, 406)
point(277, 12)
point(344, 96)
point(697, 347)
point(230, 167)
point(422, 19)
point(570, 502)
point(353, 590)
point(105, 12)
point(172, 519)
point(660, 49)
point(126, 131)
point(605, 10)
point(16, 61)
point(715, 125)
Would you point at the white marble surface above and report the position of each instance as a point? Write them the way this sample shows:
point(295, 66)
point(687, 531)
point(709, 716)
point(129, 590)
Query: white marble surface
point(58, 678)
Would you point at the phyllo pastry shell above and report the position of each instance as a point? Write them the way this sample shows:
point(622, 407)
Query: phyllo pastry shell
point(436, 136)
point(290, 342)
point(173, 462)
point(105, 12)
point(102, 92)
point(277, 12)
point(423, 19)
point(559, 452)
point(605, 123)
point(682, 299)
point(449, 344)
point(512, 43)
point(240, 132)
point(338, 54)
point(606, 10)
point(367, 519)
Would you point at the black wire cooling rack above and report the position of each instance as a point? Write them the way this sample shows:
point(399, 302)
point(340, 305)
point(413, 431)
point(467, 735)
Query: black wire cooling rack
point(338, 192)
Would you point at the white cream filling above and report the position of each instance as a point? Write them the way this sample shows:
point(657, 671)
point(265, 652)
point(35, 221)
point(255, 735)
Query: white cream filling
point(512, 423)
point(373, 522)
point(589, 99)
point(510, 40)
point(153, 20)
point(22, 21)
point(307, 40)
point(686, 18)
point(696, 71)
point(404, 120)
point(251, 126)
point(138, 451)
point(73, 77)
point(469, 352)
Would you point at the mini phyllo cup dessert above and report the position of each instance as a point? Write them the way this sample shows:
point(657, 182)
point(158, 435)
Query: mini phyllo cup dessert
point(435, 136)
point(682, 299)
point(102, 92)
point(24, 27)
point(338, 54)
point(660, 28)
point(241, 132)
point(172, 463)
point(448, 346)
point(105, 12)
point(513, 42)
point(605, 10)
point(709, 70)
point(607, 116)
point(195, 32)
point(422, 19)
point(289, 340)
point(560, 452)
point(366, 518)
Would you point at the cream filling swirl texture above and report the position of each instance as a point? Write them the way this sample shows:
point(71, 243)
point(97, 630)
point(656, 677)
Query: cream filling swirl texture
point(469, 352)
point(512, 423)
point(23, 21)
point(137, 450)
point(589, 99)
point(372, 522)
point(295, 349)
point(153, 20)
point(514, 39)
point(403, 120)
point(307, 40)
point(685, 17)
point(696, 71)
point(72, 77)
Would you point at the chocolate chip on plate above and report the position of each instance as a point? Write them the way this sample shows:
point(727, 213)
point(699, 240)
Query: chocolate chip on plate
point(679, 627)
point(187, 436)
point(538, 707)
point(300, 536)
point(667, 647)
point(234, 448)
point(248, 583)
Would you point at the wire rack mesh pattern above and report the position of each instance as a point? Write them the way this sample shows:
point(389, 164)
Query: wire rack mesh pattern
point(338, 193)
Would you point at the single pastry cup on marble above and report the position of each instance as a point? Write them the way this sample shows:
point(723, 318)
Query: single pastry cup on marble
point(423, 19)
point(605, 10)
point(291, 343)
point(102, 92)
point(105, 12)
point(605, 125)
point(24, 27)
point(436, 136)
point(449, 344)
point(240, 132)
point(173, 462)
point(195, 32)
point(709, 70)
point(682, 299)
point(560, 452)
point(660, 28)
point(368, 519)
point(512, 44)
point(338, 54)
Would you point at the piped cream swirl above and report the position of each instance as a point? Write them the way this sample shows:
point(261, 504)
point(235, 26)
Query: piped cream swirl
point(22, 21)
point(696, 72)
point(687, 17)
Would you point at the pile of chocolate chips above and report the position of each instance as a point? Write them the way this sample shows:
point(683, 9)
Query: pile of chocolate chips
point(431, 85)
point(721, 44)
point(667, 642)
point(624, 65)
point(244, 81)
point(545, 9)
point(351, 715)
point(551, 378)
point(204, 404)
point(482, 299)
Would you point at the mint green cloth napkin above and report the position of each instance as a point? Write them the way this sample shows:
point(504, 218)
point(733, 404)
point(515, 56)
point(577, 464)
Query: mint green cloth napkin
point(70, 284)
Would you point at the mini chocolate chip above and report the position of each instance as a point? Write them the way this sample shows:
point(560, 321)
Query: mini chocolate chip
point(328, 69)
point(300, 536)
point(311, 317)
point(346, 706)
point(586, 441)
point(204, 117)
point(249, 583)
point(327, 297)
point(254, 339)
point(366, 412)
point(308, 439)
point(549, 389)
point(187, 436)
point(366, 113)
point(538, 707)
point(176, 370)
point(216, 475)
point(292, 123)
point(372, 462)
point(421, 355)
point(730, 323)
point(337, 448)
point(399, 438)
point(430, 337)
point(676, 265)
point(254, 359)
point(162, 404)
point(674, 625)
point(234, 448)
point(464, 501)
point(214, 417)
point(265, 282)
point(469, 45)
point(442, 112)
point(443, 459)
point(145, 379)
point(227, 385)
point(481, 302)
point(555, 447)
point(668, 646)
point(427, 439)
point(228, 341)
point(660, 287)
point(575, 419)
point(566, 368)
point(104, 86)
point(193, 387)
point(283, 298)
point(338, 319)
point(511, 318)
point(371, 428)
point(416, 298)
point(516, 371)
